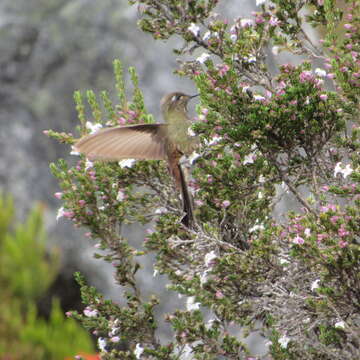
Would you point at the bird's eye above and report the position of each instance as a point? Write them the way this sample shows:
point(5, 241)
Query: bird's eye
point(176, 98)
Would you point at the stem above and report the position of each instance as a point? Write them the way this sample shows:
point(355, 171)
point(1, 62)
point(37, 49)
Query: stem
point(286, 180)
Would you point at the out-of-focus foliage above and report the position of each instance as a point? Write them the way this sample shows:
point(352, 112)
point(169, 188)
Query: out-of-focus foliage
point(27, 269)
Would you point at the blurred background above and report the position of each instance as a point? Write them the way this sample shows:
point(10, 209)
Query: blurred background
point(49, 49)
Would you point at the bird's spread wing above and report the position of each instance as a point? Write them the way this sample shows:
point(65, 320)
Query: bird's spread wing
point(145, 141)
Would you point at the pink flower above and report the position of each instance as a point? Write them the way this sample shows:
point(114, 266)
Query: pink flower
point(89, 312)
point(219, 295)
point(259, 19)
point(343, 244)
point(334, 219)
point(122, 121)
point(82, 202)
point(274, 21)
point(348, 26)
point(225, 203)
point(223, 69)
point(306, 76)
point(115, 339)
point(323, 97)
point(298, 240)
point(343, 232)
point(325, 188)
point(330, 207)
point(69, 214)
point(321, 237)
point(244, 23)
point(58, 195)
point(320, 2)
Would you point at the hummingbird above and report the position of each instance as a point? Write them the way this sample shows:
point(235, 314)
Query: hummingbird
point(159, 141)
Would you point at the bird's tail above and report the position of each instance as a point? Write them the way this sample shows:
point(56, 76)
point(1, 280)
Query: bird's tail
point(188, 219)
point(180, 182)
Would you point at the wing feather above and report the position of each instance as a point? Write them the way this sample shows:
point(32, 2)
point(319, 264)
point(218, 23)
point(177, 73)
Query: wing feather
point(146, 141)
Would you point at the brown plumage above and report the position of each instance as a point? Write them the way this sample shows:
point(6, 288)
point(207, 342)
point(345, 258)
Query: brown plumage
point(167, 141)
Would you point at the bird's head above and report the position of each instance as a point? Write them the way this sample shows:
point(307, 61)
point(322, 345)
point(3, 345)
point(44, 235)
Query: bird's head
point(176, 101)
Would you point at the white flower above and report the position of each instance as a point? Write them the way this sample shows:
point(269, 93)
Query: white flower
point(90, 312)
point(340, 325)
point(194, 29)
point(60, 213)
point(209, 257)
point(283, 261)
point(194, 155)
point(138, 351)
point(307, 232)
point(283, 341)
point(347, 171)
point(207, 36)
point(246, 22)
point(320, 72)
point(93, 127)
point(249, 159)
point(204, 277)
point(250, 59)
point(127, 163)
point(260, 2)
point(74, 152)
point(256, 228)
point(344, 172)
point(114, 331)
point(260, 195)
point(88, 164)
point(156, 272)
point(190, 131)
point(161, 210)
point(259, 97)
point(315, 285)
point(120, 196)
point(102, 344)
point(214, 140)
point(284, 187)
point(275, 50)
point(191, 304)
point(233, 37)
point(202, 58)
point(262, 179)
